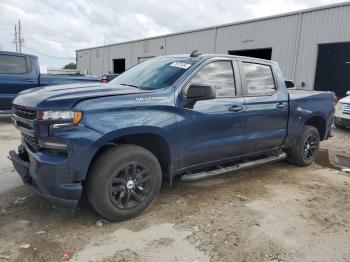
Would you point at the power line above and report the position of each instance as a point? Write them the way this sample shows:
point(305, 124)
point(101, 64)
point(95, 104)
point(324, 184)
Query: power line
point(19, 42)
point(56, 57)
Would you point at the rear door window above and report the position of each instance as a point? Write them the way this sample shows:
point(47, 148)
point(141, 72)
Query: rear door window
point(259, 79)
point(10, 64)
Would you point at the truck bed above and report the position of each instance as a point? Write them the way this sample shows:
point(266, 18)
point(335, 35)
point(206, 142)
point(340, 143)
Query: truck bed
point(304, 104)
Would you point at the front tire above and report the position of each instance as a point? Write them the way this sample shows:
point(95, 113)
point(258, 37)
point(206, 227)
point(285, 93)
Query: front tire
point(123, 181)
point(306, 148)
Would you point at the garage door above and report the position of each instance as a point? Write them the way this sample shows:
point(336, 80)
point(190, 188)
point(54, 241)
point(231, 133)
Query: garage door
point(118, 66)
point(263, 53)
point(333, 68)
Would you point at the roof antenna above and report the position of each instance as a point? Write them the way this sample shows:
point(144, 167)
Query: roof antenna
point(195, 53)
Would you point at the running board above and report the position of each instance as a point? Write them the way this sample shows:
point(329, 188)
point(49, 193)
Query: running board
point(189, 177)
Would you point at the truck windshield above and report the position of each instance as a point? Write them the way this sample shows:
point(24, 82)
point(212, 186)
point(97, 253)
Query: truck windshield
point(155, 73)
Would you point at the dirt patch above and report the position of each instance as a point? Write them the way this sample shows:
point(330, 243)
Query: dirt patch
point(156, 243)
point(37, 250)
point(9, 140)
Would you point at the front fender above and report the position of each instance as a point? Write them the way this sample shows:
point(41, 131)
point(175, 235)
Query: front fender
point(116, 134)
point(113, 136)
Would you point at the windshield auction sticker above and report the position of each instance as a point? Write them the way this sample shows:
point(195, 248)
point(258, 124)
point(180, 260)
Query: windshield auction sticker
point(180, 65)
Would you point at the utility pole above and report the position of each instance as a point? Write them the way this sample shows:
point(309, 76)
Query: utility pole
point(15, 41)
point(103, 56)
point(20, 39)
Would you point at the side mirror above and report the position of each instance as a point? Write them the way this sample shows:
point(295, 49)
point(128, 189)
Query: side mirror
point(200, 92)
point(289, 83)
point(348, 93)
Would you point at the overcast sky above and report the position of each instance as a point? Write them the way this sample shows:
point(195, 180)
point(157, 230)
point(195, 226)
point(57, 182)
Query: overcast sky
point(54, 29)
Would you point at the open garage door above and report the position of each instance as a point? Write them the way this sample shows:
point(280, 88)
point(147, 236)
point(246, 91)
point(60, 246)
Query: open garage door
point(263, 53)
point(333, 68)
point(118, 66)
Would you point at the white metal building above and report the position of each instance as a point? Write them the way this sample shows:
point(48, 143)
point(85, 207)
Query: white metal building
point(312, 46)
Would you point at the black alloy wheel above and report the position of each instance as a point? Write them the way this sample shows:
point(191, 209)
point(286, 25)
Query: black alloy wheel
point(304, 151)
point(123, 181)
point(130, 186)
point(310, 147)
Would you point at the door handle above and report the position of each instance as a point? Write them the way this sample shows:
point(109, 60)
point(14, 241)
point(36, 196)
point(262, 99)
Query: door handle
point(236, 108)
point(281, 105)
point(29, 80)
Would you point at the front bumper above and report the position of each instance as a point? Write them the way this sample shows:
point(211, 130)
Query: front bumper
point(342, 121)
point(46, 175)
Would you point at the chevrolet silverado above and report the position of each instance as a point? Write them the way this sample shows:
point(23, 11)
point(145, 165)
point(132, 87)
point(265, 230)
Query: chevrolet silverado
point(184, 116)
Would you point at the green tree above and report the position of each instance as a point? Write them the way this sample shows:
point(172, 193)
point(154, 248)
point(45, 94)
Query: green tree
point(70, 66)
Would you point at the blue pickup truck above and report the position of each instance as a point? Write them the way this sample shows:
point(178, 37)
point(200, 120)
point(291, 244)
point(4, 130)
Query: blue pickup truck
point(186, 116)
point(20, 71)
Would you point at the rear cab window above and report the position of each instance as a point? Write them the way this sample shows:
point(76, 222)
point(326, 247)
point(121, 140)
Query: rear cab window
point(259, 79)
point(11, 64)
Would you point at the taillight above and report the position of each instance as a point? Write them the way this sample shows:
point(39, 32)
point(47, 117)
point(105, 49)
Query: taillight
point(104, 81)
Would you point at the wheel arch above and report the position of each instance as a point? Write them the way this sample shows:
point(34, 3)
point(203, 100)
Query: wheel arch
point(319, 123)
point(152, 139)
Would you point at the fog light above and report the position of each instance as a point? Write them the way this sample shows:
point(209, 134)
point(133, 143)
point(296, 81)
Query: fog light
point(53, 145)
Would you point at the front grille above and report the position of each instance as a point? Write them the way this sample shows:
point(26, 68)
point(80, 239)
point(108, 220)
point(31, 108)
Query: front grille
point(24, 112)
point(346, 108)
point(32, 142)
point(24, 125)
point(343, 121)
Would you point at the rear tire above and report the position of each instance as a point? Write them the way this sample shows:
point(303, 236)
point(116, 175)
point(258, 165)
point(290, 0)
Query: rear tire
point(306, 148)
point(123, 181)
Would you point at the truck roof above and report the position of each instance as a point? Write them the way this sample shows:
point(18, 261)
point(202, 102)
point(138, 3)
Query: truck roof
point(208, 56)
point(14, 53)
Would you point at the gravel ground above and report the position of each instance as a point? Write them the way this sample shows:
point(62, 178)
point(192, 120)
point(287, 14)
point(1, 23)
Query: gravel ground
point(9, 139)
point(275, 213)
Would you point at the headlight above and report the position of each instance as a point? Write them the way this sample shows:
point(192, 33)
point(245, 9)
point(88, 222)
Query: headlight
point(339, 106)
point(64, 116)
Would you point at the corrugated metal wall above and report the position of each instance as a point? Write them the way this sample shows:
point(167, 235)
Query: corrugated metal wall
point(319, 27)
point(203, 41)
point(294, 39)
point(99, 60)
point(147, 49)
point(83, 60)
point(278, 34)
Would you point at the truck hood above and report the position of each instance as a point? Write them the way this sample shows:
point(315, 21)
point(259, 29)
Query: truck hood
point(66, 96)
